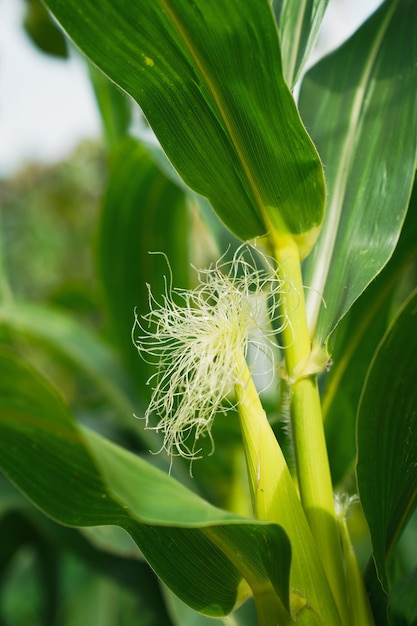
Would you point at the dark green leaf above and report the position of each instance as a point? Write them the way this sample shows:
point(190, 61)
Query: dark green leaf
point(43, 31)
point(360, 106)
point(82, 479)
point(208, 78)
point(404, 598)
point(183, 615)
point(387, 436)
point(21, 533)
point(378, 597)
point(24, 525)
point(355, 342)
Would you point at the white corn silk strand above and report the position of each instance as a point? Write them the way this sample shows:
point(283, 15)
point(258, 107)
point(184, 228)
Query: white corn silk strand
point(198, 337)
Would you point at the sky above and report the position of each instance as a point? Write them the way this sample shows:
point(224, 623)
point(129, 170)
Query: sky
point(47, 106)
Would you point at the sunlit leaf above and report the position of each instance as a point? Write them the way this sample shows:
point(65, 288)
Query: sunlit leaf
point(299, 24)
point(208, 78)
point(359, 106)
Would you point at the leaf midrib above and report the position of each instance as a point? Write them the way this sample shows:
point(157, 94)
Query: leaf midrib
point(181, 29)
point(296, 44)
point(327, 244)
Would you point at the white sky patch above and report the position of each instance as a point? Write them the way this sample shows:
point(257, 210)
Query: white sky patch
point(46, 105)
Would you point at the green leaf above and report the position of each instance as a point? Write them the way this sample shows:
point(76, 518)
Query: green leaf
point(183, 615)
point(387, 437)
point(24, 525)
point(378, 597)
point(143, 212)
point(20, 534)
point(114, 106)
point(355, 342)
point(43, 31)
point(403, 598)
point(208, 78)
point(298, 24)
point(82, 479)
point(359, 105)
point(82, 347)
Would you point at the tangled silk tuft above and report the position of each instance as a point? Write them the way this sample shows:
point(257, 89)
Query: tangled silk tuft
point(198, 337)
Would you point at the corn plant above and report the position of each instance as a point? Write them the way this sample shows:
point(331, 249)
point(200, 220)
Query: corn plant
point(257, 263)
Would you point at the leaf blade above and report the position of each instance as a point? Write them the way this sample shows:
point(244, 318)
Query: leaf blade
point(241, 142)
point(350, 103)
point(355, 342)
point(299, 24)
point(83, 480)
point(80, 346)
point(387, 437)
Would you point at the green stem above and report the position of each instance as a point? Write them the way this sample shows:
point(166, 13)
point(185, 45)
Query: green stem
point(313, 471)
point(265, 461)
point(238, 497)
point(361, 614)
point(270, 611)
point(275, 499)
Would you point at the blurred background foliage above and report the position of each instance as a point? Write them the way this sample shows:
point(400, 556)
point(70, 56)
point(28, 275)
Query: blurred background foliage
point(49, 217)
